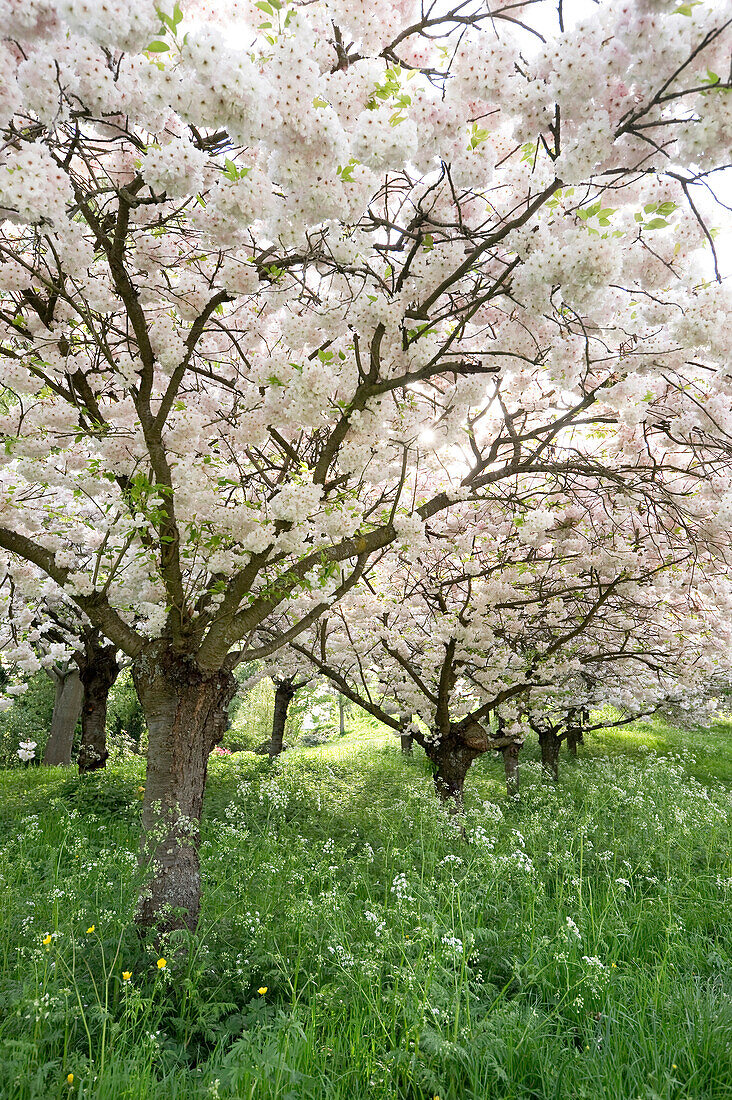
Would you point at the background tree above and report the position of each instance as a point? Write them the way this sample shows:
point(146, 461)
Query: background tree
point(541, 616)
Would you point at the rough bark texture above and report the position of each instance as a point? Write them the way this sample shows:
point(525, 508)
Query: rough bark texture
point(575, 721)
point(186, 714)
point(407, 742)
point(511, 767)
point(99, 671)
point(550, 742)
point(284, 692)
point(451, 759)
point(66, 710)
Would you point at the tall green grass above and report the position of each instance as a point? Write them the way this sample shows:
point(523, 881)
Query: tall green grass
point(576, 944)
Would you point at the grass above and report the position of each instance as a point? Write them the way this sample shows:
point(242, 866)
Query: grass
point(577, 945)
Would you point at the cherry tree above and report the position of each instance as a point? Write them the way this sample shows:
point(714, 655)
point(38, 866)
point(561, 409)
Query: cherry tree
point(532, 617)
point(255, 275)
point(33, 638)
point(42, 628)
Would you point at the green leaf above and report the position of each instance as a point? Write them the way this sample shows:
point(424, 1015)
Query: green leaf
point(265, 7)
point(477, 136)
point(656, 223)
point(157, 47)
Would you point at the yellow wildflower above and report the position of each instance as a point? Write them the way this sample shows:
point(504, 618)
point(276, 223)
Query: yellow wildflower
point(262, 990)
point(70, 1078)
point(126, 975)
point(47, 939)
point(674, 1066)
point(90, 929)
point(162, 963)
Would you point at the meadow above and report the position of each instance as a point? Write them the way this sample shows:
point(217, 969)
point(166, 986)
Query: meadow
point(575, 942)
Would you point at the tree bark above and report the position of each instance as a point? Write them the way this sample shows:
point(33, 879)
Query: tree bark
point(550, 742)
point(98, 673)
point(584, 721)
point(452, 760)
point(511, 767)
point(341, 716)
point(407, 742)
point(284, 692)
point(186, 714)
point(575, 719)
point(66, 710)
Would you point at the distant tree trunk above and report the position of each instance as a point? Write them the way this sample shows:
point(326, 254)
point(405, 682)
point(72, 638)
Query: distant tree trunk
point(66, 711)
point(584, 721)
point(550, 742)
point(407, 742)
point(511, 767)
point(186, 712)
point(341, 716)
point(452, 760)
point(98, 673)
point(574, 730)
point(284, 691)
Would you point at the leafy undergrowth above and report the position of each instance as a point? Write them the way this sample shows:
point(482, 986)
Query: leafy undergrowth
point(574, 944)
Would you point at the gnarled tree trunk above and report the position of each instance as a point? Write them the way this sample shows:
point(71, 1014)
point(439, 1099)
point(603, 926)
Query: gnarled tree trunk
point(186, 714)
point(284, 692)
point(66, 710)
point(511, 767)
point(575, 718)
point(98, 673)
point(549, 742)
point(451, 759)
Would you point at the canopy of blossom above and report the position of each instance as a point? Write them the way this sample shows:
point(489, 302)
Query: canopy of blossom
point(281, 281)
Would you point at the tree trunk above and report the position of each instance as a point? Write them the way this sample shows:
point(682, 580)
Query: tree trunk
point(66, 710)
point(452, 760)
point(575, 719)
point(511, 767)
point(550, 742)
point(186, 714)
point(341, 716)
point(284, 691)
point(407, 741)
point(99, 671)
